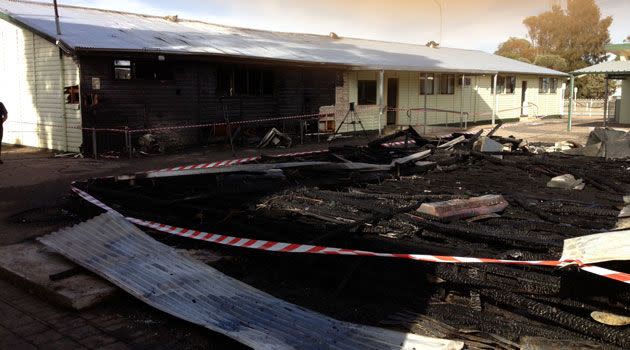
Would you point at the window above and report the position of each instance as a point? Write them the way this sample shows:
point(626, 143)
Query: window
point(554, 85)
point(72, 94)
point(510, 84)
point(500, 84)
point(547, 85)
point(152, 70)
point(239, 81)
point(367, 92)
point(447, 84)
point(122, 70)
point(430, 84)
point(143, 70)
point(466, 81)
point(505, 84)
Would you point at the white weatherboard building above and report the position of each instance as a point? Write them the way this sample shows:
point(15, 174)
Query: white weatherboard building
point(55, 84)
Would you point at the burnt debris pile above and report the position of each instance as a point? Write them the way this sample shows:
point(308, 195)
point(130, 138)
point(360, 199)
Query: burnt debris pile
point(368, 198)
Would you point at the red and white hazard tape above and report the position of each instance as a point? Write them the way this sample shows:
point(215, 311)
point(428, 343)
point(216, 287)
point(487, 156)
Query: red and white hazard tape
point(311, 249)
point(231, 162)
point(238, 122)
point(398, 143)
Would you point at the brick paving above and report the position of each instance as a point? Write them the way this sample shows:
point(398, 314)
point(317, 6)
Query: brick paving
point(30, 323)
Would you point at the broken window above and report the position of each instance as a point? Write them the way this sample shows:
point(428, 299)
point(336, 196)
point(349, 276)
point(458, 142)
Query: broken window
point(142, 70)
point(72, 94)
point(122, 70)
point(447, 84)
point(429, 84)
point(367, 92)
point(239, 81)
point(153, 70)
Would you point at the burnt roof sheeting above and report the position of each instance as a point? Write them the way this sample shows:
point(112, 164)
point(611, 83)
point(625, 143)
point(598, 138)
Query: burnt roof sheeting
point(611, 67)
point(94, 29)
point(188, 289)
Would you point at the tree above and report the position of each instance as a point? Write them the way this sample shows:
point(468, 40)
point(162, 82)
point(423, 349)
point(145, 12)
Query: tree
point(551, 61)
point(592, 86)
point(578, 34)
point(627, 39)
point(517, 48)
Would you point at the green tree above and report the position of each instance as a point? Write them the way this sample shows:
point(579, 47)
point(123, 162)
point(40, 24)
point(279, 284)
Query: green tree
point(578, 34)
point(517, 48)
point(627, 39)
point(592, 86)
point(551, 61)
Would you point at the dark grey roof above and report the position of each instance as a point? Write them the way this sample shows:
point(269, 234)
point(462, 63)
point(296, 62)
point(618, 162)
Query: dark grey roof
point(94, 29)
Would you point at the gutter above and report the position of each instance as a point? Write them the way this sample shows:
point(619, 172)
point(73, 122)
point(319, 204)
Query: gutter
point(57, 42)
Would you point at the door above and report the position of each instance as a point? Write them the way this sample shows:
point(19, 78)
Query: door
point(524, 105)
point(392, 100)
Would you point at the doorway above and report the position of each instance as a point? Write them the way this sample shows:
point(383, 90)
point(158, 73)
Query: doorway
point(392, 100)
point(524, 109)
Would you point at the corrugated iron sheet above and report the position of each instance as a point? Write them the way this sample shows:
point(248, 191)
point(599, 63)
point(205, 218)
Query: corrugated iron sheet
point(188, 289)
point(84, 28)
point(619, 67)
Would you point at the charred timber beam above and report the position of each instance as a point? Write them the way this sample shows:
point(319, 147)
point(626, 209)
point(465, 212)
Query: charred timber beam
point(554, 315)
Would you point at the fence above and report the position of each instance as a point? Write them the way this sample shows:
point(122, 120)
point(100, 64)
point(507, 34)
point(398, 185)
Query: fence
point(590, 108)
point(125, 140)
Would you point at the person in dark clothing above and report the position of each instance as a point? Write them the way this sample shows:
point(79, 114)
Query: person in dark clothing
point(4, 115)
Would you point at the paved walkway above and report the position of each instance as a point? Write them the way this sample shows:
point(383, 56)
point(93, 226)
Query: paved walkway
point(29, 323)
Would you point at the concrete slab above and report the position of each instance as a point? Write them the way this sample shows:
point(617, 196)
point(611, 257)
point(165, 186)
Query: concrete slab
point(31, 266)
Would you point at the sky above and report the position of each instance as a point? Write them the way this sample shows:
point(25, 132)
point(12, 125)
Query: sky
point(468, 24)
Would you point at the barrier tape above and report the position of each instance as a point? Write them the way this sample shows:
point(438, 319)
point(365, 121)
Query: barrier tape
point(178, 127)
point(239, 122)
point(311, 249)
point(230, 162)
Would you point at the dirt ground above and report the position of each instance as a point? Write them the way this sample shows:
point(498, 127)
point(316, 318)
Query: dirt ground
point(36, 183)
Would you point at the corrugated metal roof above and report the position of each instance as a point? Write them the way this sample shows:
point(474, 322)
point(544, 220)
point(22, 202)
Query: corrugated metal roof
point(85, 28)
point(188, 289)
point(616, 67)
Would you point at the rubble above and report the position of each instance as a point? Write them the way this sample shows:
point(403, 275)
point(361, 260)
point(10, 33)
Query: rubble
point(275, 138)
point(366, 198)
point(464, 208)
point(567, 182)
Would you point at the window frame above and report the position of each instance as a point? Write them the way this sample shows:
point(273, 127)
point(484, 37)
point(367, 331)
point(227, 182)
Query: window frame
point(162, 71)
point(431, 77)
point(512, 79)
point(119, 65)
point(450, 83)
point(548, 85)
point(366, 102)
point(228, 85)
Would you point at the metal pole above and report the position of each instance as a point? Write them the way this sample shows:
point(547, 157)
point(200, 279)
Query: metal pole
point(461, 103)
point(494, 96)
point(57, 19)
point(571, 84)
point(426, 92)
point(381, 83)
point(94, 150)
point(606, 102)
